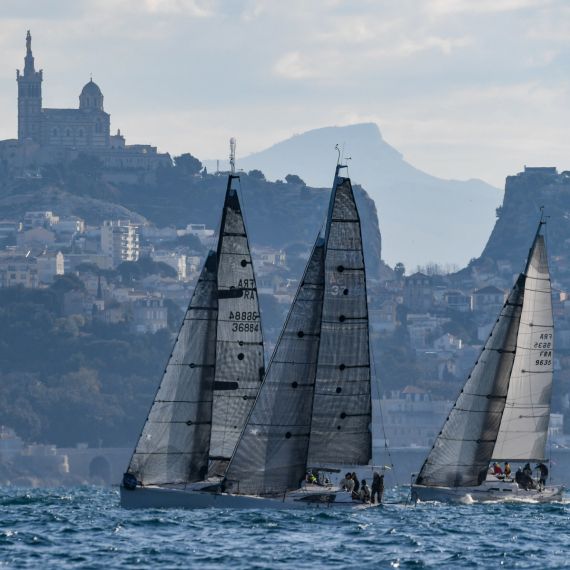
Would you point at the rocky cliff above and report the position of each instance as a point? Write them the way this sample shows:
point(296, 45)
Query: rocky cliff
point(525, 194)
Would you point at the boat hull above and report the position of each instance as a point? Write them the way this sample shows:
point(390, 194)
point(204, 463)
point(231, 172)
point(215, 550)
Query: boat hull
point(170, 498)
point(489, 491)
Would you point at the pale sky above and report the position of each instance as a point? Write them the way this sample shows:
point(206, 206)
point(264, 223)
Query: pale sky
point(463, 88)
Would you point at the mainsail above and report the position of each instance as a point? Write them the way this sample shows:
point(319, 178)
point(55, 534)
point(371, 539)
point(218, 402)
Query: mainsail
point(239, 343)
point(524, 426)
point(314, 405)
point(215, 369)
point(342, 409)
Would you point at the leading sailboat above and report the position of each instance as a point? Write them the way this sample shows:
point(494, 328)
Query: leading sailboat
point(213, 374)
point(313, 410)
point(503, 410)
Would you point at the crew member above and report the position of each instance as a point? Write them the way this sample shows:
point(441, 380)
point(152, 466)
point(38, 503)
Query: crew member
point(364, 492)
point(543, 475)
point(347, 483)
point(377, 487)
point(497, 469)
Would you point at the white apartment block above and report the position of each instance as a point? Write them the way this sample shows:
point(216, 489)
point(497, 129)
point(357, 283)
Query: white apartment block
point(120, 241)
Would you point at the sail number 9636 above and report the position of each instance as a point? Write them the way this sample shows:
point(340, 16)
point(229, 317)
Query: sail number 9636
point(544, 344)
point(244, 321)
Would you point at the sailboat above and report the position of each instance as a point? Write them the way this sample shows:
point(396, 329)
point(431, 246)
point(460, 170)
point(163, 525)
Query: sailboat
point(503, 410)
point(214, 373)
point(313, 410)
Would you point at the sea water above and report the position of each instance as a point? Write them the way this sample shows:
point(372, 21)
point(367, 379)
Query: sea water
point(86, 528)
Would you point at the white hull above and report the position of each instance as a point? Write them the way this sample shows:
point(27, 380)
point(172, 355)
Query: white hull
point(171, 498)
point(488, 491)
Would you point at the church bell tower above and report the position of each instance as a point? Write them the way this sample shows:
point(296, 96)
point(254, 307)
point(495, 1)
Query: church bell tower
point(29, 97)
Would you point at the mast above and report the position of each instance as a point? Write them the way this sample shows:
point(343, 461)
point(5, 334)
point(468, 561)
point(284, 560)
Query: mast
point(524, 425)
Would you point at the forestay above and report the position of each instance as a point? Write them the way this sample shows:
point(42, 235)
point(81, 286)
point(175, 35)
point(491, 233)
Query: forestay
point(239, 346)
point(174, 443)
point(524, 426)
point(342, 412)
point(462, 450)
point(271, 455)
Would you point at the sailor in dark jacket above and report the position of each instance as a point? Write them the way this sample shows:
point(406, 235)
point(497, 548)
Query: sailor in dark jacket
point(377, 487)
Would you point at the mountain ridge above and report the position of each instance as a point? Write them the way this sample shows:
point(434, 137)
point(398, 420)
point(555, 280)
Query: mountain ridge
point(422, 218)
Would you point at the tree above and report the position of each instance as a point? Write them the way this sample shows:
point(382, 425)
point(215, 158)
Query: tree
point(68, 282)
point(135, 270)
point(256, 174)
point(294, 180)
point(87, 165)
point(399, 270)
point(188, 164)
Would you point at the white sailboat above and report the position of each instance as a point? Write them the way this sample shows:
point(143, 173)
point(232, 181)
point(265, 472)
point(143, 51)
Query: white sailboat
point(503, 410)
point(313, 410)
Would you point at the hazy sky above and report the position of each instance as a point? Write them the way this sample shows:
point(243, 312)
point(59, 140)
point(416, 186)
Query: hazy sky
point(464, 88)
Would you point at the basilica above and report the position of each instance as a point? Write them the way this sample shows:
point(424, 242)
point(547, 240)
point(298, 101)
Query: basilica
point(86, 127)
point(58, 135)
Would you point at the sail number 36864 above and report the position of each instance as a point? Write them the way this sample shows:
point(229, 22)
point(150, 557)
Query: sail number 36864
point(247, 321)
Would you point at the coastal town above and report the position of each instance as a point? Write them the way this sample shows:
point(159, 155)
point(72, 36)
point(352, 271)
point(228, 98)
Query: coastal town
point(130, 273)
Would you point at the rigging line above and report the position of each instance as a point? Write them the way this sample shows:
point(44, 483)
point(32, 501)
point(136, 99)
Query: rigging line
point(377, 387)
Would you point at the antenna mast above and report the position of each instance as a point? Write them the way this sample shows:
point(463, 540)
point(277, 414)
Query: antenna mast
point(233, 155)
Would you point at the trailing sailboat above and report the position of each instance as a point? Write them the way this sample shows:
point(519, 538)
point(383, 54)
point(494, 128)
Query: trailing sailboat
point(213, 374)
point(313, 410)
point(503, 410)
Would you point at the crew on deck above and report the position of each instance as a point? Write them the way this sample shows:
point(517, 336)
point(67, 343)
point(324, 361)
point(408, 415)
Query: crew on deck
point(496, 470)
point(364, 493)
point(347, 483)
point(377, 487)
point(543, 475)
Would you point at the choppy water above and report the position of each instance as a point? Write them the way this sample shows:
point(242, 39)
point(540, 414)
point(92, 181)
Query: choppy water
point(55, 528)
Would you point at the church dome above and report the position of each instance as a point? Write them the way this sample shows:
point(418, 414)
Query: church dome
point(91, 96)
point(91, 88)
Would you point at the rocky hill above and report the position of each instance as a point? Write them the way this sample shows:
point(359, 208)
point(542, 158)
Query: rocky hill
point(278, 214)
point(525, 194)
point(422, 218)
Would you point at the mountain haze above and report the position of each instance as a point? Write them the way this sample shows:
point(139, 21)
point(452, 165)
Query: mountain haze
point(422, 218)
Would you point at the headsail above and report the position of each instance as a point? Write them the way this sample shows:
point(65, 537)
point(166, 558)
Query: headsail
point(174, 443)
point(524, 426)
point(239, 344)
point(271, 455)
point(461, 453)
point(342, 409)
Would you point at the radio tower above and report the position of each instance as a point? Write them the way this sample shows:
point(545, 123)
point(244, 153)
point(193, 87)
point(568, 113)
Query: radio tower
point(233, 155)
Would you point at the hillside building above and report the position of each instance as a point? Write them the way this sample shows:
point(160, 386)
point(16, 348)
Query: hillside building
point(48, 135)
point(120, 241)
